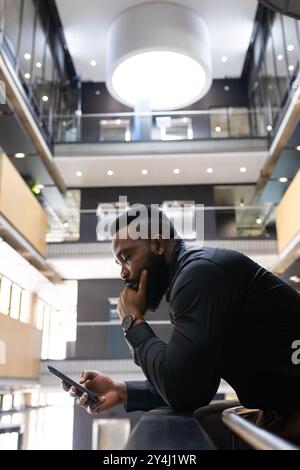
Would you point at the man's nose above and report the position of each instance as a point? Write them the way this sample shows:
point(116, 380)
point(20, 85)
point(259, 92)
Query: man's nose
point(125, 273)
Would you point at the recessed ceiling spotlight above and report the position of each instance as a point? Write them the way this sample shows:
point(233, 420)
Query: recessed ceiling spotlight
point(38, 65)
point(176, 171)
point(209, 170)
point(291, 68)
point(93, 63)
point(269, 128)
point(290, 47)
point(45, 98)
point(110, 173)
point(66, 224)
point(243, 169)
point(283, 179)
point(97, 92)
point(27, 75)
point(144, 172)
point(226, 88)
point(279, 57)
point(20, 155)
point(218, 129)
point(259, 221)
point(118, 122)
point(78, 173)
point(298, 148)
point(27, 56)
point(224, 58)
point(185, 119)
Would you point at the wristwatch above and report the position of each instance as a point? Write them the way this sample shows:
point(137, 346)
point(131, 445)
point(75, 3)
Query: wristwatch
point(127, 322)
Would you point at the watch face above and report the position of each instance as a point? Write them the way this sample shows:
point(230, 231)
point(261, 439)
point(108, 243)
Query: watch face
point(127, 322)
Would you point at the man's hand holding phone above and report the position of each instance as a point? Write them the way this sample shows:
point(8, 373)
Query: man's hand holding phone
point(109, 393)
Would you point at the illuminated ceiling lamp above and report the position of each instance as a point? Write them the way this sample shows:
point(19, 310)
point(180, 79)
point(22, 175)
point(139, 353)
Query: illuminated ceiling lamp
point(158, 53)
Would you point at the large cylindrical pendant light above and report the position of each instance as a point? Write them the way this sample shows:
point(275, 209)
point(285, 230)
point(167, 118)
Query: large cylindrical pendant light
point(158, 52)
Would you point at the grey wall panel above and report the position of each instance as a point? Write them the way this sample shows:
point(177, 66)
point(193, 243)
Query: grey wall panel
point(107, 342)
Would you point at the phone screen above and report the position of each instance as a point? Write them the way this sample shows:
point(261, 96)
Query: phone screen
point(92, 397)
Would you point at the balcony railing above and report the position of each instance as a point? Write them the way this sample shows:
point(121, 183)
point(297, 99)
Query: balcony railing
point(224, 123)
point(256, 437)
point(200, 224)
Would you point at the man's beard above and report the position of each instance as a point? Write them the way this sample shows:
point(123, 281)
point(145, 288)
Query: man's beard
point(157, 281)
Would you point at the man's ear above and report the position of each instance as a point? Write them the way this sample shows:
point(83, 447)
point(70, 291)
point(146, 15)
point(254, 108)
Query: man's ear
point(158, 244)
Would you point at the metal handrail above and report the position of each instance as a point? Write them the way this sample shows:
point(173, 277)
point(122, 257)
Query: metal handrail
point(219, 111)
point(256, 437)
point(267, 205)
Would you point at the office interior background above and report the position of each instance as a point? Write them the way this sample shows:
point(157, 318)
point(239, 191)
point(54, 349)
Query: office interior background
point(221, 129)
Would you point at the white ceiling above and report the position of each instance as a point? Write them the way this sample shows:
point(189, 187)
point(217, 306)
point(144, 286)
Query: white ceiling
point(86, 22)
point(127, 169)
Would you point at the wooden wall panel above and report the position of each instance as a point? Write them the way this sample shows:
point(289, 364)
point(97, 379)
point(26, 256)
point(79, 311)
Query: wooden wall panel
point(288, 214)
point(22, 349)
point(20, 207)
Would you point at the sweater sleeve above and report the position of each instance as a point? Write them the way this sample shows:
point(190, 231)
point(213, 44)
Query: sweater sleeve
point(141, 396)
point(185, 372)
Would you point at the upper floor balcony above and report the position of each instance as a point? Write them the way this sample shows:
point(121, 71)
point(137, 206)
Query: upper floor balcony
point(79, 242)
point(223, 129)
point(193, 222)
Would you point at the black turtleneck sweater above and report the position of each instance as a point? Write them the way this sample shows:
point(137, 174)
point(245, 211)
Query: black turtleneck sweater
point(231, 319)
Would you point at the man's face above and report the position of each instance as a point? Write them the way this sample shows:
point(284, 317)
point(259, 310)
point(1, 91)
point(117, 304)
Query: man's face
point(136, 255)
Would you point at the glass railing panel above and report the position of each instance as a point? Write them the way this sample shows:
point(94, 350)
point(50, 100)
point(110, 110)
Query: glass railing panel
point(228, 222)
point(225, 123)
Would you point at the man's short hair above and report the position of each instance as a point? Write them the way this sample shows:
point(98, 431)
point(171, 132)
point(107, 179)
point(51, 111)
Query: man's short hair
point(145, 222)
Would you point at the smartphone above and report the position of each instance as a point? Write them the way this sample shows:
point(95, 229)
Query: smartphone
point(81, 390)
